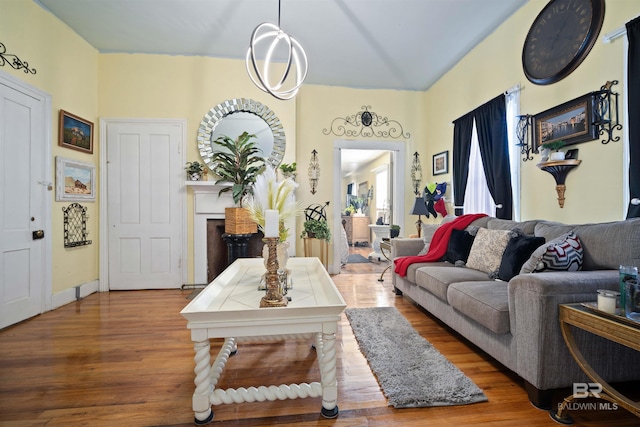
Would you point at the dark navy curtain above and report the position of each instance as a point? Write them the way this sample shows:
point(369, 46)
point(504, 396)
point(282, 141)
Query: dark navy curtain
point(462, 129)
point(491, 125)
point(633, 99)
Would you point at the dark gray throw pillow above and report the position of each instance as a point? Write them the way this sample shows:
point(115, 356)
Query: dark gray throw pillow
point(517, 252)
point(459, 246)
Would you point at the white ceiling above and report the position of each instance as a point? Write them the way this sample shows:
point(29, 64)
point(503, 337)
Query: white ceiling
point(378, 44)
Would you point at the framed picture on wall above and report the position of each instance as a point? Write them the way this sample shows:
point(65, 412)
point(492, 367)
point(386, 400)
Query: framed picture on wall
point(441, 163)
point(75, 133)
point(75, 181)
point(571, 122)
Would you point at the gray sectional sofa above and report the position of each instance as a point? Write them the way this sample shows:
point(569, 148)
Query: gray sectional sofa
point(516, 321)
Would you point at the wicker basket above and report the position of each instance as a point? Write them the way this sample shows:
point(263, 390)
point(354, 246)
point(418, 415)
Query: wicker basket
point(238, 221)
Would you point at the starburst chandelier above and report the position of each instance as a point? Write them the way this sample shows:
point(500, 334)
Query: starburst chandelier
point(267, 34)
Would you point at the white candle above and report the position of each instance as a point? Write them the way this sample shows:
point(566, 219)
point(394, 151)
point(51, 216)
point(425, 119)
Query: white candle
point(271, 223)
point(607, 302)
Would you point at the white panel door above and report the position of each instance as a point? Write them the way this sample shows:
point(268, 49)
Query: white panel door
point(145, 178)
point(22, 210)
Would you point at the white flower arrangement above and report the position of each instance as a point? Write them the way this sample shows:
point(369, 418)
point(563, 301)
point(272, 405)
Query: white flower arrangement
point(269, 193)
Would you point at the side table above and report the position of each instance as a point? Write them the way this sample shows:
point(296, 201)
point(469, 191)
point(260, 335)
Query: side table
point(385, 250)
point(615, 328)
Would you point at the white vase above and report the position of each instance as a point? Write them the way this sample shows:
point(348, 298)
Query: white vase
point(544, 154)
point(557, 155)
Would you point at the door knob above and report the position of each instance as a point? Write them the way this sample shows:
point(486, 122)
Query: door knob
point(38, 234)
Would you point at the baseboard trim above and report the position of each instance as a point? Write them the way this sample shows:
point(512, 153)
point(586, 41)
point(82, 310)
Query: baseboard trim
point(73, 294)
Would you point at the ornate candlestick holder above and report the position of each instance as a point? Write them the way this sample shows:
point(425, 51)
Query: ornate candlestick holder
point(273, 297)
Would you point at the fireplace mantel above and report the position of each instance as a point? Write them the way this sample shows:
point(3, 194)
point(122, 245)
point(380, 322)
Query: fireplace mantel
point(208, 204)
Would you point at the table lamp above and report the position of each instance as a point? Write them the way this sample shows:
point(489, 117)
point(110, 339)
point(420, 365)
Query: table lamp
point(419, 208)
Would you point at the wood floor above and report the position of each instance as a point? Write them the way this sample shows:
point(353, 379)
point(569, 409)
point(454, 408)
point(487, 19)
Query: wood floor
point(125, 359)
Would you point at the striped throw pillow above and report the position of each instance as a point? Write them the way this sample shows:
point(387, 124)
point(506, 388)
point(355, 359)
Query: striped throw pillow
point(565, 255)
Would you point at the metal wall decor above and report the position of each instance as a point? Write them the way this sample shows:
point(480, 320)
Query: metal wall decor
point(605, 111)
point(13, 61)
point(366, 123)
point(75, 226)
point(523, 133)
point(416, 173)
point(314, 172)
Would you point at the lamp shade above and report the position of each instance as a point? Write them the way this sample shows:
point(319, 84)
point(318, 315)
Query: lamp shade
point(419, 207)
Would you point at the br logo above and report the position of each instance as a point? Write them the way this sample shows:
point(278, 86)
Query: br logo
point(582, 390)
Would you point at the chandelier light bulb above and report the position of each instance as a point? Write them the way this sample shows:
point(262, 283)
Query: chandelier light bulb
point(274, 36)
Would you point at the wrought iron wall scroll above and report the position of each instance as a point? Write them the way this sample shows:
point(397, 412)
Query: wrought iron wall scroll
point(75, 226)
point(314, 171)
point(366, 123)
point(13, 61)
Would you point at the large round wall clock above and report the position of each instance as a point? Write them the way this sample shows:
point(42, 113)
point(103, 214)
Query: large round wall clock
point(560, 38)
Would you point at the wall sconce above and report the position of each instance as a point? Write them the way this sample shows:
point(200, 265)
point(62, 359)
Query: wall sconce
point(314, 171)
point(605, 111)
point(416, 173)
point(524, 131)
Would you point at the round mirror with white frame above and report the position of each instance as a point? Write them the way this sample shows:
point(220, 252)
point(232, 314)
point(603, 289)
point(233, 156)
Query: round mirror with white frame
point(237, 115)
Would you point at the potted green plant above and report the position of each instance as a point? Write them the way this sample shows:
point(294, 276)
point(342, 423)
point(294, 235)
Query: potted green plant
point(394, 230)
point(555, 146)
point(289, 170)
point(194, 170)
point(237, 162)
point(318, 229)
point(349, 210)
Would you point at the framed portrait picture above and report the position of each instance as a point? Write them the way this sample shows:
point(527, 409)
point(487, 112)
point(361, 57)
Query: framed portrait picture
point(75, 181)
point(571, 122)
point(441, 163)
point(76, 133)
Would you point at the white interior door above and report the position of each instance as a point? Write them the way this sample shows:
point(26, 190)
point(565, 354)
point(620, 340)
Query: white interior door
point(23, 201)
point(145, 204)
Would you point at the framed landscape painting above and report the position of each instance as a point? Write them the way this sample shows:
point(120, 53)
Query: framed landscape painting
point(571, 122)
point(75, 181)
point(76, 133)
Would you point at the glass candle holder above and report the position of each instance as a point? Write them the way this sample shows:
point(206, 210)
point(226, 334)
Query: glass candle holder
point(608, 300)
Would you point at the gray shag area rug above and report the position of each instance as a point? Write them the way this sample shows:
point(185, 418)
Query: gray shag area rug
point(410, 371)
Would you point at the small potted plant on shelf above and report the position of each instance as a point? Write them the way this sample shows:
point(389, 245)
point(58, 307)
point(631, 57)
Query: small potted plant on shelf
point(555, 146)
point(289, 170)
point(349, 210)
point(316, 228)
point(394, 230)
point(194, 170)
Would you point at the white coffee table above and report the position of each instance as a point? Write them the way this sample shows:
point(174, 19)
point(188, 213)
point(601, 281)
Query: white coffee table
point(229, 308)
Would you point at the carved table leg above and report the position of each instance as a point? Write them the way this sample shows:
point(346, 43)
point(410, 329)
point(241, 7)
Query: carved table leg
point(201, 405)
point(326, 348)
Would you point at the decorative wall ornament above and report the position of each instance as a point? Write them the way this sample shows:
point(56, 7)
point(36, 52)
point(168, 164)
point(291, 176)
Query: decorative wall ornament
point(75, 226)
point(13, 61)
point(523, 133)
point(366, 123)
point(416, 173)
point(314, 171)
point(605, 110)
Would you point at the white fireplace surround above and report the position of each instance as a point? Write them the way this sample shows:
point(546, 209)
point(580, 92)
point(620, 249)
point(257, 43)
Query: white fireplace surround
point(208, 205)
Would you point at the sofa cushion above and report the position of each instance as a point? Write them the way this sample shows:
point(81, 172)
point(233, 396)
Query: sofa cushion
point(518, 250)
point(486, 302)
point(413, 268)
point(487, 249)
point(527, 227)
point(436, 277)
point(561, 254)
point(459, 246)
point(427, 235)
point(606, 245)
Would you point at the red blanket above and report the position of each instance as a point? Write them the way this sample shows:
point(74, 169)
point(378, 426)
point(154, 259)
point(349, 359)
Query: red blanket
point(439, 243)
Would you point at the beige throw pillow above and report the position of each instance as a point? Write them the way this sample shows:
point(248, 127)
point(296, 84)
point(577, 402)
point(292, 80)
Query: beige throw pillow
point(487, 249)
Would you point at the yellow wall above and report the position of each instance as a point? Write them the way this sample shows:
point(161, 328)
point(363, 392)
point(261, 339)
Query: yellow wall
point(66, 68)
point(94, 85)
point(594, 189)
